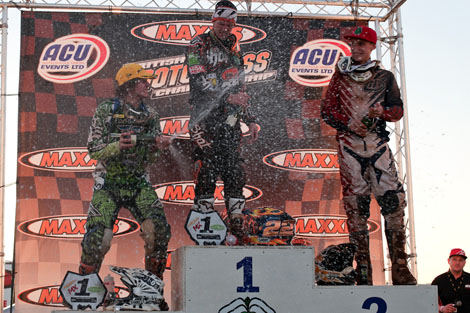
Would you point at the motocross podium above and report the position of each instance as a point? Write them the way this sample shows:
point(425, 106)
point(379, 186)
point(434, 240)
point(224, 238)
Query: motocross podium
point(253, 278)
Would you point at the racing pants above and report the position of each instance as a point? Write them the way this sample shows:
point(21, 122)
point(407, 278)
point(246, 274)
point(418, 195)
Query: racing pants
point(219, 158)
point(146, 208)
point(367, 167)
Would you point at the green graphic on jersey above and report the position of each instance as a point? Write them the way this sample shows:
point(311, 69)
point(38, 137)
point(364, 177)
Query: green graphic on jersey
point(192, 59)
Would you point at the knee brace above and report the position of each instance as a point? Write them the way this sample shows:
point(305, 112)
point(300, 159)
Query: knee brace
point(391, 201)
point(357, 210)
point(106, 242)
point(394, 221)
point(96, 243)
point(147, 229)
point(359, 205)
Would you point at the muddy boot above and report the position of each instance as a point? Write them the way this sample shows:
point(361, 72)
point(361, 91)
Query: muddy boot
point(401, 274)
point(364, 274)
point(157, 267)
point(362, 257)
point(235, 227)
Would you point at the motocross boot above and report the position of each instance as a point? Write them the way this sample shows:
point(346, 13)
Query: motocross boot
point(235, 219)
point(157, 267)
point(401, 274)
point(362, 256)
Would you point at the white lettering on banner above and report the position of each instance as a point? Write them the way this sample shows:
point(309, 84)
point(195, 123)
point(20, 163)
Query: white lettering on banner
point(182, 32)
point(59, 159)
point(70, 227)
point(313, 63)
point(183, 192)
point(178, 126)
point(73, 58)
point(304, 160)
point(172, 72)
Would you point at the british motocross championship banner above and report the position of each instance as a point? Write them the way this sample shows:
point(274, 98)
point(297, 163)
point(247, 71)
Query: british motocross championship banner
point(68, 65)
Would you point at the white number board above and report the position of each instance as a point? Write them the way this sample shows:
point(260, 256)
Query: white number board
point(277, 280)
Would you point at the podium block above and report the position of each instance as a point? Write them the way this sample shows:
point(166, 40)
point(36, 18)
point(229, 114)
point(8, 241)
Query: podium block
point(277, 279)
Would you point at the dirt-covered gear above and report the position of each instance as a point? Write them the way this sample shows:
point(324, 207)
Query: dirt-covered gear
point(132, 71)
point(121, 180)
point(216, 71)
point(366, 162)
point(236, 219)
point(396, 240)
point(333, 266)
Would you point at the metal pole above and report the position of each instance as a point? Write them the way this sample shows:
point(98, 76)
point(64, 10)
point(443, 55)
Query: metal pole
point(406, 135)
point(387, 262)
point(4, 28)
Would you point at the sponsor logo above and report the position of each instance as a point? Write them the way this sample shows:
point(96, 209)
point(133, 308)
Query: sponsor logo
point(257, 66)
point(313, 64)
point(172, 73)
point(71, 227)
point(247, 305)
point(73, 58)
point(59, 159)
point(304, 160)
point(183, 193)
point(325, 226)
point(50, 295)
point(177, 127)
point(182, 32)
point(44, 296)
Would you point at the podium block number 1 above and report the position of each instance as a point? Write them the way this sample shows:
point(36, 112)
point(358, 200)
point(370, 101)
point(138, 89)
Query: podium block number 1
point(247, 264)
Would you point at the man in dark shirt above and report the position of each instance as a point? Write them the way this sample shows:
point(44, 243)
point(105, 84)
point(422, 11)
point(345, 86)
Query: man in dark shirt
point(453, 286)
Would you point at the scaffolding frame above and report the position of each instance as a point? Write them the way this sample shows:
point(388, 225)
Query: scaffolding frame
point(383, 14)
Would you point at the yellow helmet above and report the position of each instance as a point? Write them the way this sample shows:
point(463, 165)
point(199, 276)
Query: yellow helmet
point(131, 71)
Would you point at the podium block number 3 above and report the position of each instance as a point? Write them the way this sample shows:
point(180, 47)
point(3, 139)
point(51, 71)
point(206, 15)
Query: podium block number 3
point(247, 264)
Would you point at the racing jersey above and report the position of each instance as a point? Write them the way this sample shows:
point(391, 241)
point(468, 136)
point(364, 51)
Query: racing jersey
point(352, 92)
point(127, 167)
point(216, 70)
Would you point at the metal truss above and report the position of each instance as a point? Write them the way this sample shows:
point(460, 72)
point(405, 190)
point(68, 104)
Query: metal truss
point(337, 9)
point(390, 51)
point(384, 14)
point(3, 67)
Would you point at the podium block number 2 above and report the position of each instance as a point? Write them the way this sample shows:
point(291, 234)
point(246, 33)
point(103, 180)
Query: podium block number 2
point(247, 264)
point(381, 304)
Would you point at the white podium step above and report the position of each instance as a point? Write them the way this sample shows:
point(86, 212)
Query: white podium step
point(277, 279)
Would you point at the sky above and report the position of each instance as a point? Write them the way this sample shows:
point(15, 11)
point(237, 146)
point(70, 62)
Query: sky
point(435, 34)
